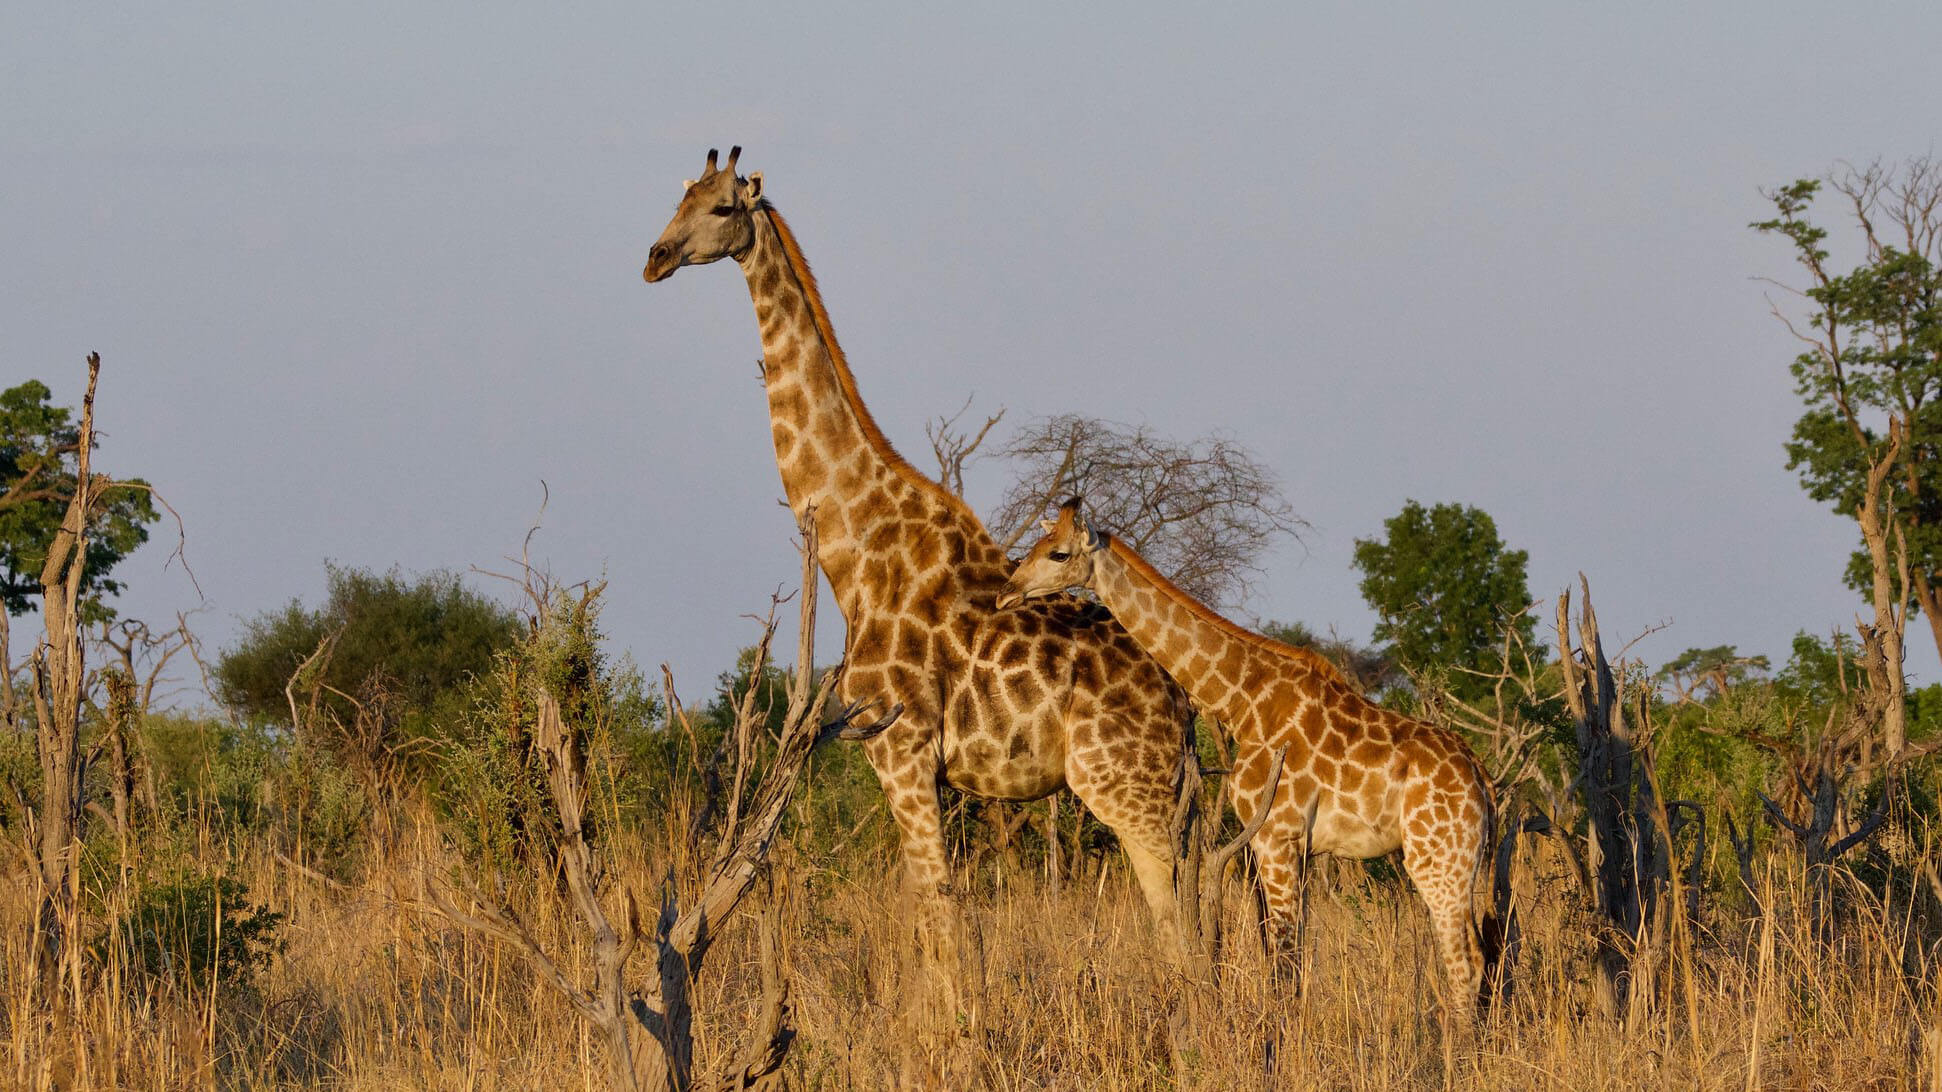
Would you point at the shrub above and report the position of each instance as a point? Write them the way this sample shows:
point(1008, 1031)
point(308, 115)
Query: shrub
point(190, 930)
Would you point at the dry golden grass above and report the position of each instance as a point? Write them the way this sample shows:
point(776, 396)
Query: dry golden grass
point(1066, 993)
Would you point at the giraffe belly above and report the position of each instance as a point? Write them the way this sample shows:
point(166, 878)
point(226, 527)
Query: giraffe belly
point(1004, 718)
point(1006, 761)
point(999, 746)
point(1345, 834)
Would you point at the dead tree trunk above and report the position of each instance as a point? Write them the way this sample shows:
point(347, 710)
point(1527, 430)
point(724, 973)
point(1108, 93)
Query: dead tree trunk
point(59, 670)
point(1199, 869)
point(1628, 845)
point(119, 723)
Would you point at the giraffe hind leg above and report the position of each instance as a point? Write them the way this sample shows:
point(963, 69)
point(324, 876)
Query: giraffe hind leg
point(1444, 875)
point(1135, 798)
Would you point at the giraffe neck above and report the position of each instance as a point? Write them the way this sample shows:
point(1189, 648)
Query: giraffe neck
point(1211, 657)
point(829, 449)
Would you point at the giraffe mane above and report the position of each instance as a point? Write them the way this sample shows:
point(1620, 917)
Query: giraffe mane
point(898, 464)
point(1308, 657)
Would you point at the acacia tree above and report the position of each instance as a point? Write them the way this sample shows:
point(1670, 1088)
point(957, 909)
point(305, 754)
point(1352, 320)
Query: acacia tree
point(1202, 512)
point(1870, 375)
point(1445, 587)
point(1700, 674)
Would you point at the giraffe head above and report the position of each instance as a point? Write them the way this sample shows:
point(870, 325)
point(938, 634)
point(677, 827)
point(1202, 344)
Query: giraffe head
point(1062, 559)
point(714, 220)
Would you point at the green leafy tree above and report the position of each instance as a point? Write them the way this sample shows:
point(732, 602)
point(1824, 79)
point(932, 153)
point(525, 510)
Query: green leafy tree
point(1372, 670)
point(1700, 674)
point(39, 443)
point(1820, 672)
point(391, 660)
point(1873, 358)
point(1445, 588)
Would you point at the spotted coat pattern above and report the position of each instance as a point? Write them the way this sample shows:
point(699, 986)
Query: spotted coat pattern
point(1010, 705)
point(1378, 780)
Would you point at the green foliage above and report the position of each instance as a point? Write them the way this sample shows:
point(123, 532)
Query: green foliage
point(1875, 355)
point(192, 931)
point(404, 655)
point(1820, 673)
point(250, 778)
point(491, 788)
point(38, 450)
point(1698, 673)
point(19, 777)
point(1372, 670)
point(1446, 587)
point(771, 699)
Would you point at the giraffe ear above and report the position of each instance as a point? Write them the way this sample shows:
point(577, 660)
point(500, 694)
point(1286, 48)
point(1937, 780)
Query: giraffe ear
point(687, 184)
point(755, 186)
point(1048, 526)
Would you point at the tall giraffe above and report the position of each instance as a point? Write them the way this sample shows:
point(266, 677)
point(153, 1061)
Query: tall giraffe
point(1377, 780)
point(1009, 705)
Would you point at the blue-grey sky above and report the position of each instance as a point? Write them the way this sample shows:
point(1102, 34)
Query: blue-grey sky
point(362, 275)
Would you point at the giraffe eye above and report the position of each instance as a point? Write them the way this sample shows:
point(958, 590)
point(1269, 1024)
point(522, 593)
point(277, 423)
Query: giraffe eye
point(1059, 555)
point(724, 210)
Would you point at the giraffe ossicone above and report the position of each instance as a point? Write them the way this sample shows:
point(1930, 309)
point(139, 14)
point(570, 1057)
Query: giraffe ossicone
point(1376, 780)
point(1007, 704)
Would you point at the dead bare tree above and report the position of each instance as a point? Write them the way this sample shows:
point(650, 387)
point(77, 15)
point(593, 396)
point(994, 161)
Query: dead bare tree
point(954, 447)
point(59, 668)
point(1629, 844)
point(139, 664)
point(1202, 512)
point(648, 1029)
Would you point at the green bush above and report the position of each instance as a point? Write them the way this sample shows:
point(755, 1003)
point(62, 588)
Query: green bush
point(490, 788)
point(401, 656)
point(191, 930)
point(255, 779)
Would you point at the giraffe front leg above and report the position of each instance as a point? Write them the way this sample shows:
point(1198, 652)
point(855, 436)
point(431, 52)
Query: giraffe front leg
point(1279, 847)
point(1279, 862)
point(910, 788)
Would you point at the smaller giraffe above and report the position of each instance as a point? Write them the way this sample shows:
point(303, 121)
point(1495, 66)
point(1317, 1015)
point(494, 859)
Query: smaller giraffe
point(1377, 780)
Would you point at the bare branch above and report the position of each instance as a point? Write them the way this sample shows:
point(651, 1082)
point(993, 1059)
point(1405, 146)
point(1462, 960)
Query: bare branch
point(1203, 512)
point(953, 448)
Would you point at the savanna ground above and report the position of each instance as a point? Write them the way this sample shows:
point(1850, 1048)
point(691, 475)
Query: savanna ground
point(265, 927)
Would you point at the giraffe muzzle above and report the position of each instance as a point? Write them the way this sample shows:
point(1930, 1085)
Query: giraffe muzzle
point(661, 263)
